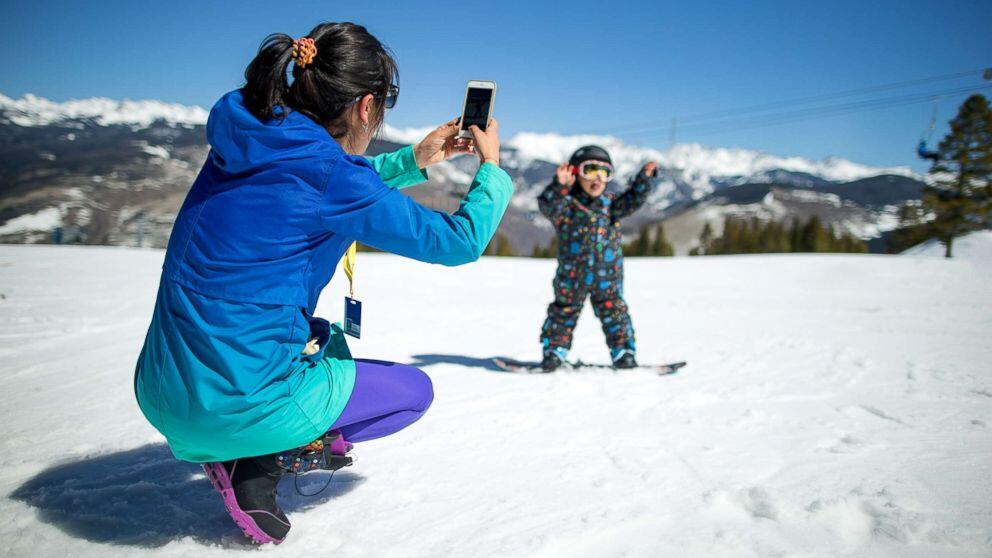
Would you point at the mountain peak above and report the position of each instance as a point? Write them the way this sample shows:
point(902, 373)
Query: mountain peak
point(695, 162)
point(31, 110)
point(698, 161)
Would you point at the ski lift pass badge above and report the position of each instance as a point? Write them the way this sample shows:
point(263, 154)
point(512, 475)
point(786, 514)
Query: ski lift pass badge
point(353, 317)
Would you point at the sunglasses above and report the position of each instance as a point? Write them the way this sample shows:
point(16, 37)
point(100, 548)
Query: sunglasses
point(392, 94)
point(596, 169)
point(389, 99)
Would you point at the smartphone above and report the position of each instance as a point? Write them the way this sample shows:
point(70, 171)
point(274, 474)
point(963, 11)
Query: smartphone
point(479, 99)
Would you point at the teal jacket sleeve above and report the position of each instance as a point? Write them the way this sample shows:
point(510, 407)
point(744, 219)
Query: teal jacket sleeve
point(398, 169)
point(356, 203)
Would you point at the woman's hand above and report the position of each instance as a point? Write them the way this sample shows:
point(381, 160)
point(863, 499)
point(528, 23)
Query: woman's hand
point(650, 169)
point(440, 145)
point(487, 143)
point(564, 175)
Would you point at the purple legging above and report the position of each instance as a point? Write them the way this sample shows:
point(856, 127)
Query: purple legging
point(387, 398)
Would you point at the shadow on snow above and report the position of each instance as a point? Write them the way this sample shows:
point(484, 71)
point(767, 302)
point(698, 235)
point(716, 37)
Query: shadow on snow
point(145, 497)
point(471, 362)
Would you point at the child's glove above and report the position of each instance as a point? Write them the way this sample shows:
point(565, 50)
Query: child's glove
point(564, 175)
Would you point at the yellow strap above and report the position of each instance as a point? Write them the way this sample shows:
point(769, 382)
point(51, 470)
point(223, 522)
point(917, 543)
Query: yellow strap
point(349, 267)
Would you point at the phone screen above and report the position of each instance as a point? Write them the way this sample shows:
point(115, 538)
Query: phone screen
point(477, 104)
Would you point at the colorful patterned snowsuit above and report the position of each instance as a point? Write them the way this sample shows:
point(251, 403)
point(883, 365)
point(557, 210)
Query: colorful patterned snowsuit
point(590, 260)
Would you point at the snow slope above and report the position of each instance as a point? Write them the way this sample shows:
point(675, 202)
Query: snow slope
point(975, 247)
point(833, 406)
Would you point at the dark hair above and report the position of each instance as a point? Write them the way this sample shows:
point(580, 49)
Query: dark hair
point(350, 63)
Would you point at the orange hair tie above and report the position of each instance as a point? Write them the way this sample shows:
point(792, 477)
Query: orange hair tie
point(304, 51)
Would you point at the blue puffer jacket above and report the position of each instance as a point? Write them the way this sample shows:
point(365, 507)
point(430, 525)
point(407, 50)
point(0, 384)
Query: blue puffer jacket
point(222, 374)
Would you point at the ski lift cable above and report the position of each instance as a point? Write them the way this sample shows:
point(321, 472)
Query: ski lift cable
point(812, 112)
point(813, 117)
point(831, 96)
point(928, 132)
point(757, 123)
point(985, 73)
point(910, 98)
point(836, 110)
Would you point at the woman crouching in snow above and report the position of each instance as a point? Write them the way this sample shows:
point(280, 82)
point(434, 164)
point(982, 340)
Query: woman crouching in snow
point(230, 373)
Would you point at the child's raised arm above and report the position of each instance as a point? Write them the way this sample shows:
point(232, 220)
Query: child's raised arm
point(552, 202)
point(637, 193)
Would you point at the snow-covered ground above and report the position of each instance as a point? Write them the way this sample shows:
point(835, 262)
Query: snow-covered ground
point(832, 406)
point(975, 247)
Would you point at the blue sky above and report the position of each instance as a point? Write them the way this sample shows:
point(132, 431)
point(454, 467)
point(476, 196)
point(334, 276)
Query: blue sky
point(590, 66)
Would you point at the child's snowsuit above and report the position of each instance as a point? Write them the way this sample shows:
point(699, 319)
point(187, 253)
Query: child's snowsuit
point(590, 260)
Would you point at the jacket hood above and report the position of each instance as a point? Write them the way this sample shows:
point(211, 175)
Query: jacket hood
point(241, 143)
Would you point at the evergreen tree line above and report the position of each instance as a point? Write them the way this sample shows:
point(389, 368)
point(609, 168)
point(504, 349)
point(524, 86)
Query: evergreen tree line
point(958, 198)
point(648, 244)
point(549, 251)
point(499, 246)
point(754, 236)
point(650, 241)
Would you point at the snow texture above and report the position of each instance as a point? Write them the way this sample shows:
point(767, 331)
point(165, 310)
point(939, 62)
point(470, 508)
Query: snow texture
point(31, 110)
point(975, 247)
point(405, 135)
point(45, 220)
point(698, 163)
point(833, 405)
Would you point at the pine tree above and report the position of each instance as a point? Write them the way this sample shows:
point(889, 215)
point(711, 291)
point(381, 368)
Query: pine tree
point(552, 250)
point(705, 240)
point(640, 246)
point(795, 235)
point(960, 194)
point(505, 248)
point(781, 238)
point(500, 246)
point(914, 227)
point(660, 246)
point(729, 242)
point(814, 237)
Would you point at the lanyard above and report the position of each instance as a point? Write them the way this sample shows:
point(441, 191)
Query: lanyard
point(349, 267)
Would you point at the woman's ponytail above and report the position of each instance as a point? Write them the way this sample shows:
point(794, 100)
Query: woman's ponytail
point(336, 64)
point(266, 83)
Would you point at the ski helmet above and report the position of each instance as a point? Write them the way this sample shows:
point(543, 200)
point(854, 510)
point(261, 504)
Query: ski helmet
point(589, 153)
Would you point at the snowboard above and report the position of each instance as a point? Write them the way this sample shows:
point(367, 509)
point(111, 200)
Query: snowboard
point(511, 365)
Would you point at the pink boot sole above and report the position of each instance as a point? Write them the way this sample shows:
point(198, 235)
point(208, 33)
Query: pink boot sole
point(222, 483)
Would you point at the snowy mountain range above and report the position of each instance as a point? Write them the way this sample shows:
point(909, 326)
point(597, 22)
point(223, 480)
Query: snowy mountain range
point(115, 172)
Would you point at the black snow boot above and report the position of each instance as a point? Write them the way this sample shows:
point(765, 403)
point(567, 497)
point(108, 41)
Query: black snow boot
point(248, 487)
point(550, 363)
point(625, 361)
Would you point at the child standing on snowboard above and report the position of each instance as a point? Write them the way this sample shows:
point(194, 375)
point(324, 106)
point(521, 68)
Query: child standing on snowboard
point(590, 258)
point(236, 372)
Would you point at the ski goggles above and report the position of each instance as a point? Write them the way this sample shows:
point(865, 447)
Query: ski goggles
point(596, 169)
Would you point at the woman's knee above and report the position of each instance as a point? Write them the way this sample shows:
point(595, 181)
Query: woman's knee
point(422, 388)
